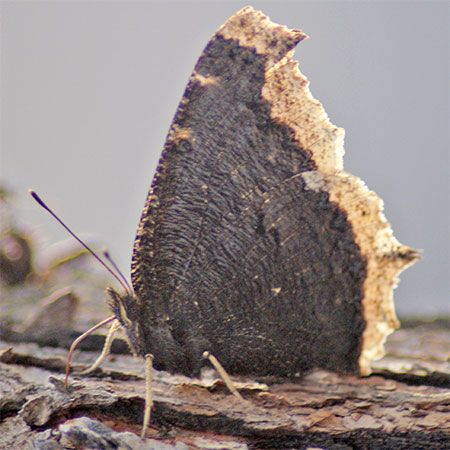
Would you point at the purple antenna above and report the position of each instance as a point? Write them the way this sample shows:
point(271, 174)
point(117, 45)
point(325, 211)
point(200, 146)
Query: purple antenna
point(41, 202)
point(107, 255)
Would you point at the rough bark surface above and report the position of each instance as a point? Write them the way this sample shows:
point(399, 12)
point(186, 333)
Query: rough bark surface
point(405, 404)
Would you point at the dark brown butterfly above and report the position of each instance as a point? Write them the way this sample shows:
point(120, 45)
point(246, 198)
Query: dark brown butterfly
point(254, 245)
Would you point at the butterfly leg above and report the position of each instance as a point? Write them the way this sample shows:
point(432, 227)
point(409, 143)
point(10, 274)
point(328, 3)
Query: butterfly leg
point(223, 374)
point(148, 393)
point(78, 340)
point(106, 348)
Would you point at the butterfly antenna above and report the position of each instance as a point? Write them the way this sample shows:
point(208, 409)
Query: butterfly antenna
point(41, 203)
point(116, 268)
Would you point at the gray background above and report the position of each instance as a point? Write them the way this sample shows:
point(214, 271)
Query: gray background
point(88, 90)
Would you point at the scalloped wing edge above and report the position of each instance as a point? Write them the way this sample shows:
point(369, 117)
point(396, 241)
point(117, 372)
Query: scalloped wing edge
point(287, 91)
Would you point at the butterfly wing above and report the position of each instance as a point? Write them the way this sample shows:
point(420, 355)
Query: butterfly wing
point(253, 243)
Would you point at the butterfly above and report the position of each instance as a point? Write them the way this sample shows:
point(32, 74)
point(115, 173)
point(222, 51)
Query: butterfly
point(254, 245)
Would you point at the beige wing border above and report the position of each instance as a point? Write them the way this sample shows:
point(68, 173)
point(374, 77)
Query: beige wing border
point(292, 104)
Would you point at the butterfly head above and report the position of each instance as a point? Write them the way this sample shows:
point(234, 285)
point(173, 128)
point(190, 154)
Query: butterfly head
point(127, 309)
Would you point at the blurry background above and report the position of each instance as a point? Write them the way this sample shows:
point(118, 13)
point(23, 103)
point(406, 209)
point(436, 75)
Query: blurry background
point(88, 90)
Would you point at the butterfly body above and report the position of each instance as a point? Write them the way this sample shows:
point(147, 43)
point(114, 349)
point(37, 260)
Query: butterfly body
point(250, 246)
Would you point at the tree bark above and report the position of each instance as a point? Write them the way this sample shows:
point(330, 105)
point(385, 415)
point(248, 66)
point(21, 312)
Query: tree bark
point(404, 404)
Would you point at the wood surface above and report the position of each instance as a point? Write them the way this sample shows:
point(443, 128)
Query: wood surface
point(404, 404)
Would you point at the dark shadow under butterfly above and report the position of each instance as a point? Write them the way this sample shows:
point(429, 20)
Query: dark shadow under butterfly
point(254, 245)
